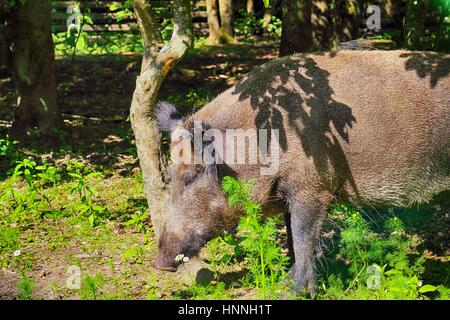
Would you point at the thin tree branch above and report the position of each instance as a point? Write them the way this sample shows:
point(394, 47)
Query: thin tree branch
point(151, 37)
point(166, 57)
point(181, 38)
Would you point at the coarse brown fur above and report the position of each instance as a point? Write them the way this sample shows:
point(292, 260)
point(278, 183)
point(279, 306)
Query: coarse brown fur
point(367, 127)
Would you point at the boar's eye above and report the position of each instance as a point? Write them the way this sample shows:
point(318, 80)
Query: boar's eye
point(189, 177)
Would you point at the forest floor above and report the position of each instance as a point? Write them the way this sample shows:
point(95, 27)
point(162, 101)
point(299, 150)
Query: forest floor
point(94, 93)
point(43, 248)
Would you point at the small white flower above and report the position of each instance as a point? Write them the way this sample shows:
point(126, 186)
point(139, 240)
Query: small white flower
point(179, 257)
point(17, 253)
point(419, 283)
point(185, 259)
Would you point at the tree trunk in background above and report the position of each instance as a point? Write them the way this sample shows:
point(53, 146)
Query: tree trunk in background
point(392, 8)
point(347, 18)
point(354, 18)
point(157, 61)
point(415, 23)
point(296, 35)
point(267, 18)
point(215, 35)
point(33, 67)
point(5, 53)
point(226, 19)
point(251, 7)
point(395, 9)
point(322, 31)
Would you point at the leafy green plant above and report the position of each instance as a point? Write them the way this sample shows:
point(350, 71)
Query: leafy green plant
point(48, 174)
point(31, 199)
point(211, 291)
point(222, 252)
point(122, 11)
point(86, 194)
point(9, 242)
point(25, 287)
point(81, 41)
point(8, 154)
point(263, 257)
point(274, 27)
point(248, 24)
point(100, 43)
point(194, 99)
point(197, 98)
point(75, 38)
point(378, 265)
point(8, 239)
point(8, 4)
point(443, 292)
point(90, 286)
point(77, 167)
point(61, 134)
point(134, 254)
point(24, 168)
point(167, 29)
point(138, 220)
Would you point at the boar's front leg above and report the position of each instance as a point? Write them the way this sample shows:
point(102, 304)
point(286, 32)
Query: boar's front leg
point(306, 218)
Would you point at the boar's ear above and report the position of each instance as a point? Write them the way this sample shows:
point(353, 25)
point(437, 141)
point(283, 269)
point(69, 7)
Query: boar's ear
point(207, 146)
point(167, 116)
point(212, 150)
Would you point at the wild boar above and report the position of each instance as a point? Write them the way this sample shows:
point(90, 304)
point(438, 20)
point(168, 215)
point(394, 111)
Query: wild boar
point(371, 128)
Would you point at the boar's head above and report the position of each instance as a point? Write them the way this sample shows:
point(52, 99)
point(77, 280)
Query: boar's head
point(198, 210)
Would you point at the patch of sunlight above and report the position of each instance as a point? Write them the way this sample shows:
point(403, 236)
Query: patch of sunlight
point(112, 138)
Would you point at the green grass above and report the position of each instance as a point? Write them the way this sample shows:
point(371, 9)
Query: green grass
point(263, 258)
point(57, 214)
point(91, 287)
point(81, 204)
point(381, 265)
point(25, 287)
point(376, 257)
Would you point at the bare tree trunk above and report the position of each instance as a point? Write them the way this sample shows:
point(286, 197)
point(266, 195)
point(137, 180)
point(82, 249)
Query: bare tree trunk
point(33, 66)
point(251, 7)
point(296, 35)
point(215, 35)
point(226, 19)
point(267, 17)
point(156, 63)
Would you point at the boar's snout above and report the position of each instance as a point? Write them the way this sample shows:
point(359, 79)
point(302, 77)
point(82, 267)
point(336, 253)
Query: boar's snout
point(171, 246)
point(165, 263)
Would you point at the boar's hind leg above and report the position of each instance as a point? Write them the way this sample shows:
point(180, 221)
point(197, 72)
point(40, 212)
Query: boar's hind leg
point(287, 219)
point(306, 218)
